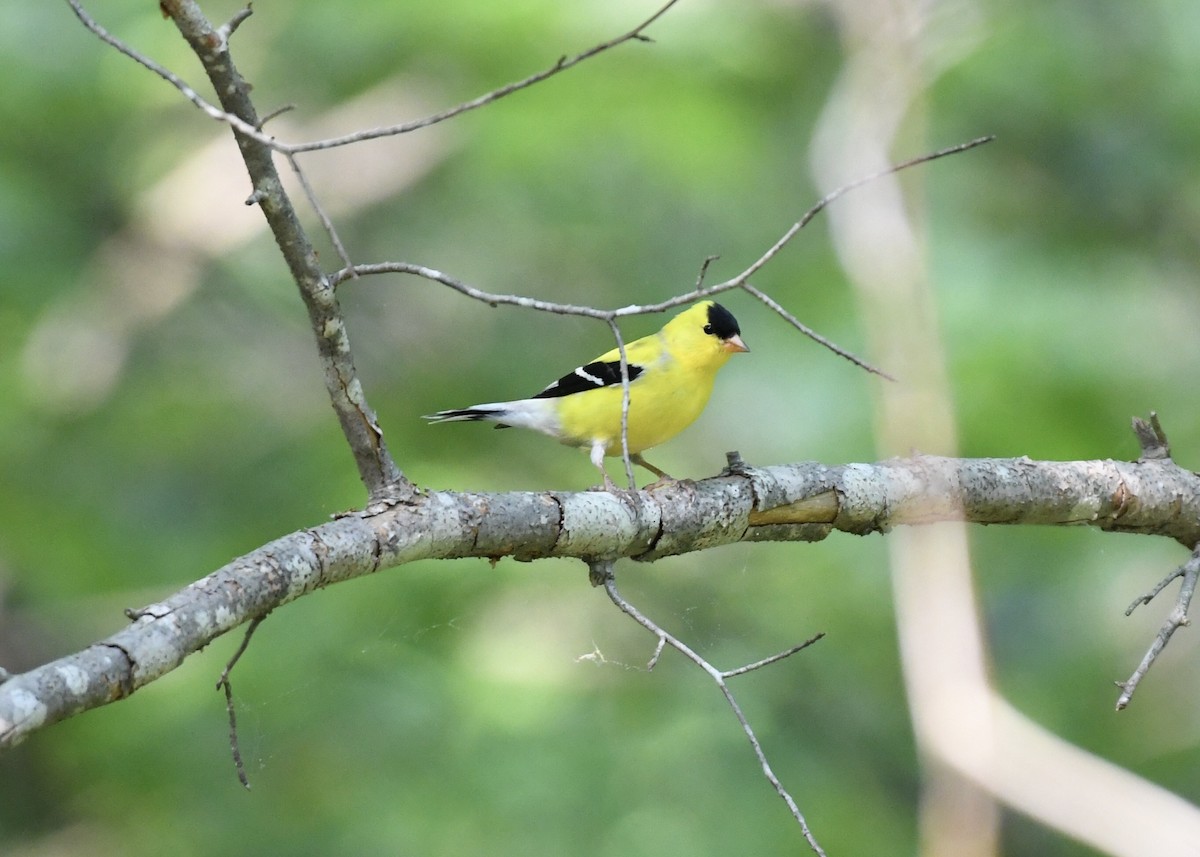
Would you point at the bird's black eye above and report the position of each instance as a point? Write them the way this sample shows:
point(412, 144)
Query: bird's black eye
point(708, 329)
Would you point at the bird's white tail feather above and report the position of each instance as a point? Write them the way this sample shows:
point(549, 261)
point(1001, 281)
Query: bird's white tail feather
point(536, 414)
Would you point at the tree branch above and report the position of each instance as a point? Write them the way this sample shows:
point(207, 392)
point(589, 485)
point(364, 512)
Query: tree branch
point(797, 502)
point(740, 281)
point(224, 684)
point(601, 574)
point(253, 130)
point(562, 64)
point(1176, 619)
point(378, 471)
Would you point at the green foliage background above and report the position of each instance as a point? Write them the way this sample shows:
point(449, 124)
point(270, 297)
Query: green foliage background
point(442, 708)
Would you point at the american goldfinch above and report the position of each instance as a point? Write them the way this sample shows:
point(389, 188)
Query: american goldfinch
point(671, 376)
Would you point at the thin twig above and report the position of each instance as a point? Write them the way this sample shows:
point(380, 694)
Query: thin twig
point(834, 195)
point(602, 571)
point(1158, 587)
point(561, 65)
point(383, 479)
point(230, 27)
point(234, 746)
point(274, 114)
point(636, 34)
point(625, 458)
point(766, 662)
point(741, 281)
point(491, 298)
point(708, 260)
point(812, 334)
point(326, 221)
point(1190, 572)
point(223, 683)
point(175, 80)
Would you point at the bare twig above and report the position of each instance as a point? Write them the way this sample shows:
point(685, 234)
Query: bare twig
point(250, 129)
point(708, 260)
point(491, 298)
point(1158, 587)
point(223, 683)
point(779, 656)
point(600, 572)
point(234, 746)
point(625, 458)
point(1177, 618)
point(376, 467)
point(325, 219)
point(561, 65)
point(230, 27)
point(274, 114)
point(1155, 447)
point(834, 195)
point(812, 334)
point(253, 131)
point(741, 281)
point(701, 291)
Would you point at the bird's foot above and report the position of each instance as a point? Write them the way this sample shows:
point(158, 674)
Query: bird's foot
point(609, 486)
point(663, 481)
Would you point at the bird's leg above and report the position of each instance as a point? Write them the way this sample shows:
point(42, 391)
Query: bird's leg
point(663, 476)
point(597, 456)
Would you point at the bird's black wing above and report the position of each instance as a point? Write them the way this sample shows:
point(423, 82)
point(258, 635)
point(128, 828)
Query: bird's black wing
point(593, 376)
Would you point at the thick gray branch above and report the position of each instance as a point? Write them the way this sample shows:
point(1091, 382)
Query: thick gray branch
point(375, 465)
point(798, 502)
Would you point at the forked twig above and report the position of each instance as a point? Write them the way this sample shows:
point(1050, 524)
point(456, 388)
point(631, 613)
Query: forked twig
point(223, 683)
point(741, 281)
point(1155, 447)
point(838, 193)
point(326, 221)
point(175, 80)
point(812, 334)
point(637, 34)
point(350, 270)
point(1178, 617)
point(561, 65)
point(600, 572)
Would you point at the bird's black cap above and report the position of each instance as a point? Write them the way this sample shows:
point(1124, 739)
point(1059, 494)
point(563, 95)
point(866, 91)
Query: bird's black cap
point(721, 322)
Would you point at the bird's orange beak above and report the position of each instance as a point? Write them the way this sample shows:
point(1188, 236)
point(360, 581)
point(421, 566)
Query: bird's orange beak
point(734, 344)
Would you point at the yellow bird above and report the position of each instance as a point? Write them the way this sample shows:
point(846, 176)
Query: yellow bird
point(671, 376)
